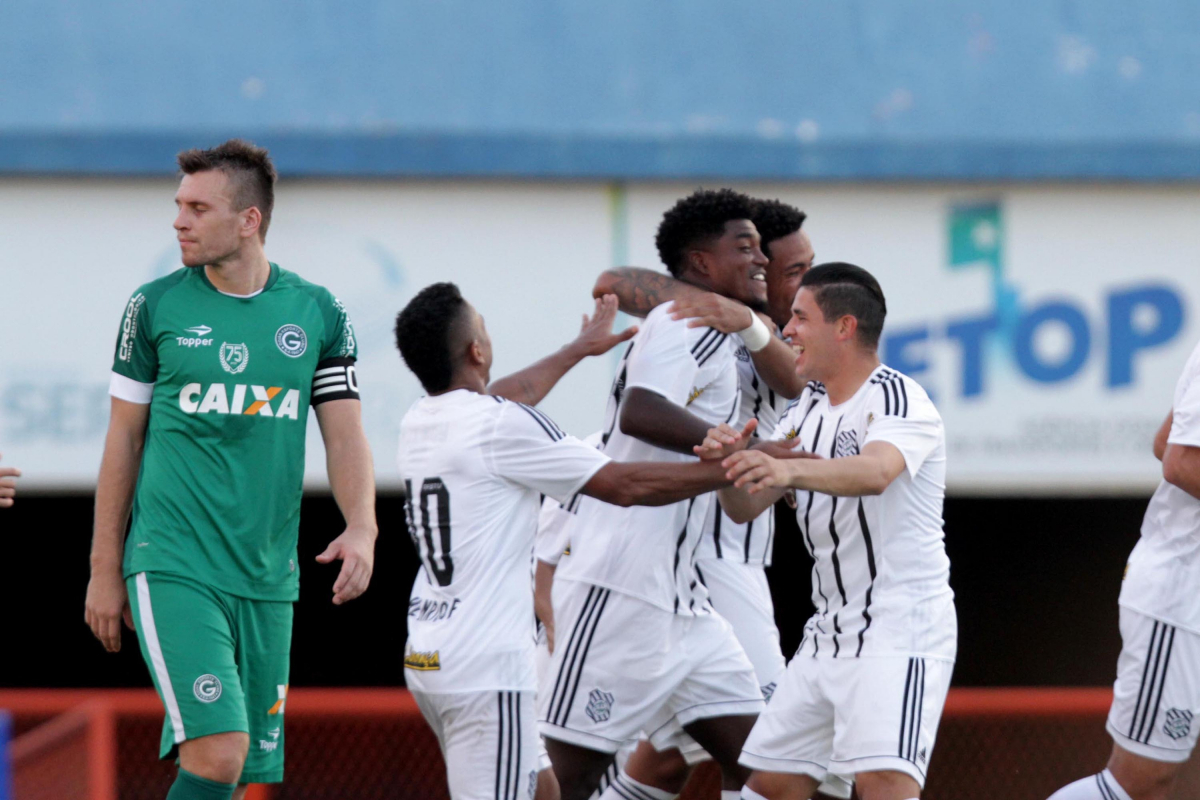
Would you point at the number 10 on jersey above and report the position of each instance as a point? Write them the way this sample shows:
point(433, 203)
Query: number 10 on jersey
point(431, 554)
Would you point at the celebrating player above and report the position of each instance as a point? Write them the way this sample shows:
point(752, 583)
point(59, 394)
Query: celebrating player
point(638, 647)
point(864, 693)
point(1157, 692)
point(474, 467)
point(216, 366)
point(732, 558)
point(8, 485)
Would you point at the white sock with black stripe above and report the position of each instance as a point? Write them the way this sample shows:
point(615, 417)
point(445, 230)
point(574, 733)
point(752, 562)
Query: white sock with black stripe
point(1102, 786)
point(626, 788)
point(750, 794)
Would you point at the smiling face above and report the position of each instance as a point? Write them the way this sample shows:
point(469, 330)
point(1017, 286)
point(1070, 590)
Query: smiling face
point(209, 227)
point(815, 340)
point(791, 257)
point(734, 264)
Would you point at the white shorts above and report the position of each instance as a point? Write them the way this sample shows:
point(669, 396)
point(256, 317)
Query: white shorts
point(622, 667)
point(739, 592)
point(851, 715)
point(1156, 697)
point(488, 740)
point(542, 662)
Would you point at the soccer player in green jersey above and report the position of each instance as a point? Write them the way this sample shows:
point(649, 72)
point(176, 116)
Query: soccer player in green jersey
point(216, 366)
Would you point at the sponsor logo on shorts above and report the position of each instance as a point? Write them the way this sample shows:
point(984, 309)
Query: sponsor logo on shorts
point(234, 357)
point(280, 703)
point(207, 688)
point(599, 706)
point(423, 662)
point(1178, 724)
point(271, 746)
point(291, 341)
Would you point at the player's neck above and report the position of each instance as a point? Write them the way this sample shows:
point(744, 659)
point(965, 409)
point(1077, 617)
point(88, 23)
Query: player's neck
point(241, 273)
point(851, 375)
point(472, 382)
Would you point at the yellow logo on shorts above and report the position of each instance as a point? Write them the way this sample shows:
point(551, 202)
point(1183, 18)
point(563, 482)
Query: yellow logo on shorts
point(423, 662)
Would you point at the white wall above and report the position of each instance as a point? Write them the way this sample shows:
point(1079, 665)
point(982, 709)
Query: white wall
point(526, 254)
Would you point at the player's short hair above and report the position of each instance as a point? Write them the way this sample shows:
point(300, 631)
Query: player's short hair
point(776, 219)
point(840, 289)
point(425, 333)
point(698, 217)
point(250, 173)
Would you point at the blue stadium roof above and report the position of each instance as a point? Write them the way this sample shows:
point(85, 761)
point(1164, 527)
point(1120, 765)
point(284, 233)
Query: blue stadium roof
point(876, 89)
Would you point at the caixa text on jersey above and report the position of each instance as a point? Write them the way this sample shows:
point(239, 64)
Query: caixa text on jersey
point(240, 398)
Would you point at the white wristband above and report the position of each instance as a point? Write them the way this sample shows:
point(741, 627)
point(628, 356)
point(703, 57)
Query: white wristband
point(757, 336)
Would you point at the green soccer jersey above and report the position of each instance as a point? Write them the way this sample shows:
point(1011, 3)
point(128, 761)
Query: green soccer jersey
point(229, 381)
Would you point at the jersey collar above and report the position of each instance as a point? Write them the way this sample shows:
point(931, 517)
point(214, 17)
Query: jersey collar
point(271, 279)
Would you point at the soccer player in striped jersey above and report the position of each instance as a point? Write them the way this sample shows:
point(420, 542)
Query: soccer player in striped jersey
point(865, 691)
point(638, 647)
point(1156, 697)
point(475, 466)
point(732, 558)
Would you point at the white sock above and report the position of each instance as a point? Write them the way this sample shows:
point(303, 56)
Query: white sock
point(626, 788)
point(1102, 786)
point(731, 794)
point(749, 794)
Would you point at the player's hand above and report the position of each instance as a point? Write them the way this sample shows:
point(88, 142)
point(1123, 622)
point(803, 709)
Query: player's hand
point(725, 440)
point(8, 485)
point(107, 603)
point(596, 335)
point(356, 550)
point(709, 310)
point(754, 471)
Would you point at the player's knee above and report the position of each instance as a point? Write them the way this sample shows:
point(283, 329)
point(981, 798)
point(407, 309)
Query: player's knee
point(1142, 778)
point(781, 786)
point(662, 769)
point(219, 757)
point(886, 785)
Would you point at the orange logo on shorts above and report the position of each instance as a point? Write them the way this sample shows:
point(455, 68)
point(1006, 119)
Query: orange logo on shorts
point(281, 702)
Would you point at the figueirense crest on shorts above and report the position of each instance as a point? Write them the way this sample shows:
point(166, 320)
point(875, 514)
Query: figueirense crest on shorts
point(1178, 723)
point(599, 706)
point(234, 357)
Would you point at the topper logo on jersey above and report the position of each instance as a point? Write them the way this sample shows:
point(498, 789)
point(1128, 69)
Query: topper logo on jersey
point(218, 400)
point(129, 327)
point(234, 357)
point(291, 341)
point(197, 338)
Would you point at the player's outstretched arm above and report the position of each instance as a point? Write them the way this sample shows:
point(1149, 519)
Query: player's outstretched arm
point(654, 483)
point(352, 478)
point(654, 419)
point(869, 473)
point(639, 291)
point(8, 485)
point(531, 385)
point(107, 599)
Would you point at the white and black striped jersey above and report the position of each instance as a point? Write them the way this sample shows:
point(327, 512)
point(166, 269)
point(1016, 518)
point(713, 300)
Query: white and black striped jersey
point(474, 469)
point(1163, 576)
point(650, 553)
point(748, 542)
point(881, 578)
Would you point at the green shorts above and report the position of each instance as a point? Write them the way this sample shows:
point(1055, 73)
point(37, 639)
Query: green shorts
point(219, 662)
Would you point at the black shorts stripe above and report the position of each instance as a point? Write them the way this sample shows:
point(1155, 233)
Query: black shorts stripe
point(1142, 686)
point(1162, 682)
point(920, 711)
point(716, 532)
point(575, 663)
point(904, 706)
point(627, 789)
point(1155, 679)
point(583, 655)
point(572, 644)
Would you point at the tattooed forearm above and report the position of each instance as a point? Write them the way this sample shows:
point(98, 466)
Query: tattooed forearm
point(638, 290)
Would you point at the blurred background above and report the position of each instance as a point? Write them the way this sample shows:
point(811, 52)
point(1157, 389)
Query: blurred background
point(1021, 176)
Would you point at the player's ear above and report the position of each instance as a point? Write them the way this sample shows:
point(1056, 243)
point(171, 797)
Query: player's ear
point(847, 326)
point(251, 221)
point(475, 352)
point(697, 262)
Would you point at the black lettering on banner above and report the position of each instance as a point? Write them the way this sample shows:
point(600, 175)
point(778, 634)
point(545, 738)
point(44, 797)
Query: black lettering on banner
point(427, 548)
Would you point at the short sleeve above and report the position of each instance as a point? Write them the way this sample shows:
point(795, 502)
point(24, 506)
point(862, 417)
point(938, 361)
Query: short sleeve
point(527, 448)
point(660, 361)
point(1185, 414)
point(912, 425)
point(136, 358)
point(553, 534)
point(336, 376)
point(788, 427)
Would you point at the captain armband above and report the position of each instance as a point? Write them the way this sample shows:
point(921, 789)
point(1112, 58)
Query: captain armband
point(335, 379)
